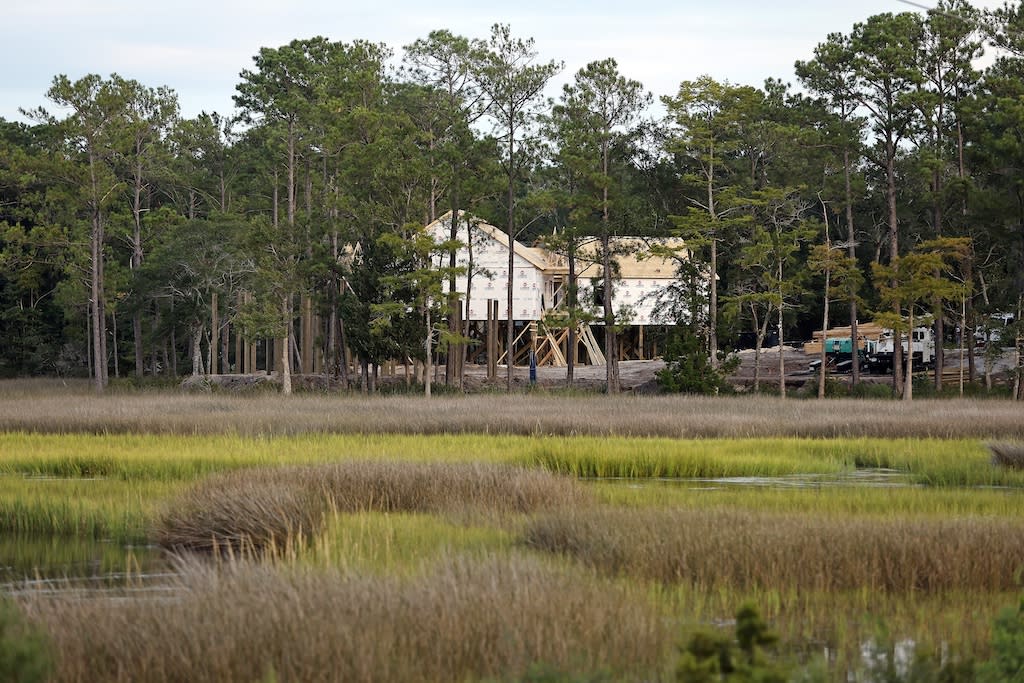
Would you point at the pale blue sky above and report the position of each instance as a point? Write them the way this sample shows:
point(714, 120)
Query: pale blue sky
point(198, 47)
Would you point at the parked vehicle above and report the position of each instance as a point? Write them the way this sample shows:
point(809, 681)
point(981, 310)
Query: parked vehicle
point(922, 348)
point(839, 354)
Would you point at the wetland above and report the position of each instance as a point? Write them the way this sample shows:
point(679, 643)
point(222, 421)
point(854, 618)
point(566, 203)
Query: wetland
point(415, 552)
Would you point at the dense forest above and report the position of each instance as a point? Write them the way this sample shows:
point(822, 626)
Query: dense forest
point(885, 182)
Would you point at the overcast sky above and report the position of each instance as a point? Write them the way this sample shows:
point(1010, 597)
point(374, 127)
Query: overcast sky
point(199, 47)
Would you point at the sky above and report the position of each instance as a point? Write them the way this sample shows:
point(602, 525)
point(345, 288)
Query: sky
point(198, 48)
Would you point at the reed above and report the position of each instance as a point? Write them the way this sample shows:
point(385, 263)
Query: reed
point(738, 550)
point(464, 620)
point(266, 507)
point(665, 416)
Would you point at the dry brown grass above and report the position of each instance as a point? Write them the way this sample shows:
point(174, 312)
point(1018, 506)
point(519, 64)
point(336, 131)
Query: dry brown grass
point(738, 550)
point(1008, 455)
point(263, 507)
point(669, 416)
point(467, 620)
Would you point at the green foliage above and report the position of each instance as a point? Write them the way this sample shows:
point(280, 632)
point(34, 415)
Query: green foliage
point(1007, 662)
point(688, 369)
point(25, 655)
point(712, 656)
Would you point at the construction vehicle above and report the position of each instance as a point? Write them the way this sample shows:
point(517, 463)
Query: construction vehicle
point(839, 347)
point(922, 348)
point(839, 354)
point(875, 348)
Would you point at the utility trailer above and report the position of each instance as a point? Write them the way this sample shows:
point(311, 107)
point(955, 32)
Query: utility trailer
point(839, 347)
point(839, 354)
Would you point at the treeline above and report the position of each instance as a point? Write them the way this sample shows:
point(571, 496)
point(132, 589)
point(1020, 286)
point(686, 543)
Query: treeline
point(887, 184)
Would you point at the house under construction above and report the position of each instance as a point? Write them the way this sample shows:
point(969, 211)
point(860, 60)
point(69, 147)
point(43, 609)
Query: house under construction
point(642, 280)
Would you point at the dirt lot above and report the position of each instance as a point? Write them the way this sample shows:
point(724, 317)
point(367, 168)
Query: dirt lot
point(635, 376)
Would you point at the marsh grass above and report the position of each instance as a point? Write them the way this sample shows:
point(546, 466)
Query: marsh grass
point(402, 543)
point(739, 550)
point(172, 458)
point(61, 412)
point(862, 501)
point(838, 624)
point(463, 620)
point(94, 509)
point(264, 507)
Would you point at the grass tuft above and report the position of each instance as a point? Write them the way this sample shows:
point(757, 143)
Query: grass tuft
point(1008, 455)
point(266, 507)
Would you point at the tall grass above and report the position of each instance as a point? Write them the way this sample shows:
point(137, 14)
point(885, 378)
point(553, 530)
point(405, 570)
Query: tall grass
point(465, 620)
point(838, 625)
point(401, 543)
point(665, 416)
point(95, 509)
point(810, 499)
point(172, 457)
point(275, 506)
point(737, 550)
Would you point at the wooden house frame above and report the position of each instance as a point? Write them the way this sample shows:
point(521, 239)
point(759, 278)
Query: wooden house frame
point(641, 281)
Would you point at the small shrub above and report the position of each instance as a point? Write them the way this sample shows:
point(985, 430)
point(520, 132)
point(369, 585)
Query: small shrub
point(688, 368)
point(1007, 663)
point(712, 656)
point(871, 390)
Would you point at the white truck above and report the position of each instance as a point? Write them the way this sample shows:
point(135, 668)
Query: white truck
point(922, 345)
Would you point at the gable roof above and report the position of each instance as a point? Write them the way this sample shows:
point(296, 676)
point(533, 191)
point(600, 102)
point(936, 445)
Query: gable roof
point(536, 257)
point(635, 258)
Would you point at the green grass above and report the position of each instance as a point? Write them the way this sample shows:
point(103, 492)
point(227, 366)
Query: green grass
point(94, 509)
point(936, 462)
point(823, 500)
point(400, 543)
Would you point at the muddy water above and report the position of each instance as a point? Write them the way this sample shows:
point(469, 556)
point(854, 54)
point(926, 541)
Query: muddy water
point(32, 559)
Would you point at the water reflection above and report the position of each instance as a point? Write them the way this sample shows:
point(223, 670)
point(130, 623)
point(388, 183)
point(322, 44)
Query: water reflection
point(870, 478)
point(35, 558)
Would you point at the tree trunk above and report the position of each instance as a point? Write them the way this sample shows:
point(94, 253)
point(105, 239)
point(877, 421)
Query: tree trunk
point(136, 263)
point(611, 351)
point(824, 338)
point(96, 285)
point(197, 351)
point(467, 322)
point(571, 303)
point(782, 346)
point(851, 248)
point(510, 332)
point(214, 333)
point(428, 347)
point(225, 346)
point(908, 389)
point(894, 252)
point(713, 279)
point(286, 347)
point(99, 327)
